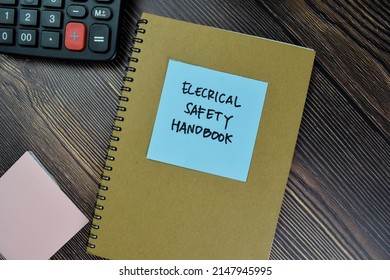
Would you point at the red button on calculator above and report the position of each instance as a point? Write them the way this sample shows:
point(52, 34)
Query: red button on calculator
point(75, 36)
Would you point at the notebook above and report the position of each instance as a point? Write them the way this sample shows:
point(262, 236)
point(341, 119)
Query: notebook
point(202, 144)
point(36, 217)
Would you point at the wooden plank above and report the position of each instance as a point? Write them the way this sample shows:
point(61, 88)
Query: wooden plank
point(352, 43)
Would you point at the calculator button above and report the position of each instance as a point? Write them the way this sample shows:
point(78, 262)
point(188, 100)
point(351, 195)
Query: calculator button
point(7, 16)
point(8, 2)
point(99, 38)
point(101, 13)
point(76, 11)
point(75, 36)
point(6, 36)
point(53, 3)
point(51, 19)
point(28, 17)
point(50, 40)
point(27, 37)
point(29, 2)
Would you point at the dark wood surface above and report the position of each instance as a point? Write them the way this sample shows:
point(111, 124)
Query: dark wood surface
point(337, 200)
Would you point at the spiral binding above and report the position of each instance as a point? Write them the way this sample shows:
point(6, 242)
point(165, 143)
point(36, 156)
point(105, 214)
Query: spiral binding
point(116, 128)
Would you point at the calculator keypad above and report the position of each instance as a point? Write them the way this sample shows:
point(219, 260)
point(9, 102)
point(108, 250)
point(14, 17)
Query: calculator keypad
point(70, 29)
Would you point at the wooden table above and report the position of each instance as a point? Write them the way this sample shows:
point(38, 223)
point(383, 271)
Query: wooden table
point(337, 200)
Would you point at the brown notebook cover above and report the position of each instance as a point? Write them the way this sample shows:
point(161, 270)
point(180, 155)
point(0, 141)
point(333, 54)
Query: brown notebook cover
point(147, 209)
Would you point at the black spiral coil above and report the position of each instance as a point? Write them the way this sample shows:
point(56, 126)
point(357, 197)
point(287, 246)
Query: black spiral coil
point(116, 128)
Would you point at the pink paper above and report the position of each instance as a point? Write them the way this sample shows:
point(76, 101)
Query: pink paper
point(36, 217)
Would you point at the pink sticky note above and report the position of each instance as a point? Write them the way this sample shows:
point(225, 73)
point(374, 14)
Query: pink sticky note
point(36, 217)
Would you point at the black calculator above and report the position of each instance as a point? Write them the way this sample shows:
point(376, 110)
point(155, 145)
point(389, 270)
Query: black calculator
point(66, 29)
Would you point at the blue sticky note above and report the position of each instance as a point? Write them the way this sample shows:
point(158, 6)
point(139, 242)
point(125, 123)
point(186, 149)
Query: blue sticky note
point(207, 120)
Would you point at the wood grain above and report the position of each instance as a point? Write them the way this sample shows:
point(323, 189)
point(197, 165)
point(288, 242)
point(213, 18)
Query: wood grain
point(337, 201)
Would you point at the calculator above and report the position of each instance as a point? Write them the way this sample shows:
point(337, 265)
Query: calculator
point(64, 29)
